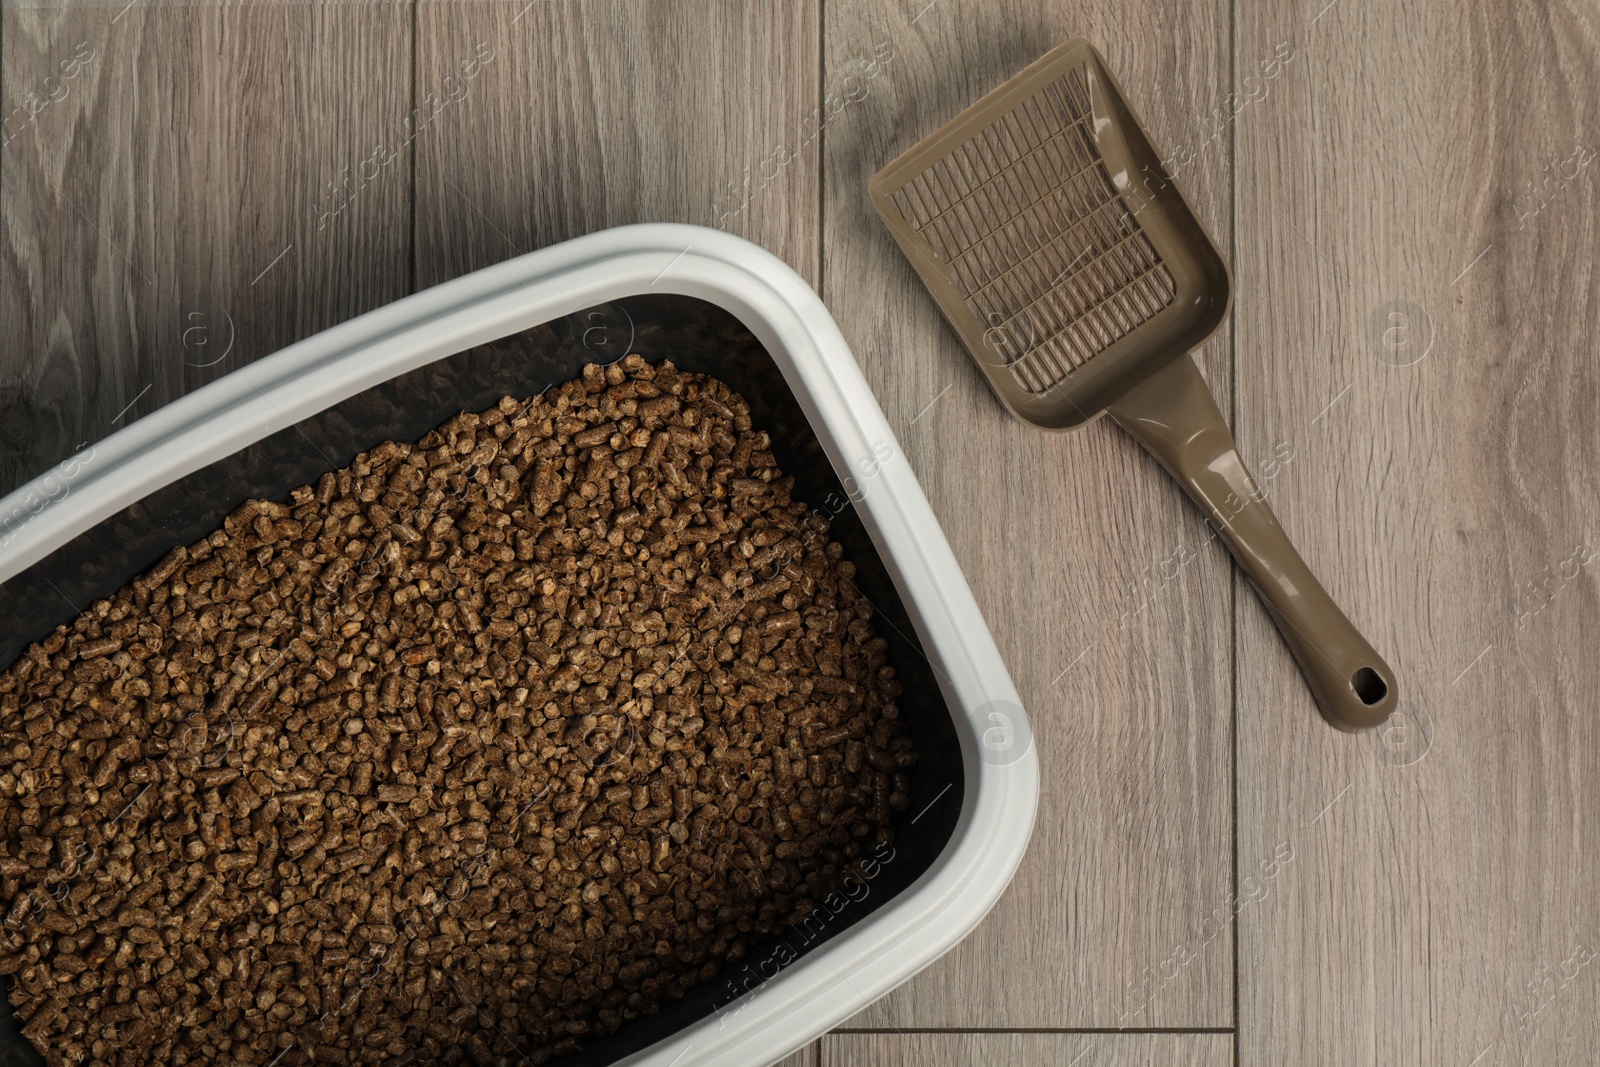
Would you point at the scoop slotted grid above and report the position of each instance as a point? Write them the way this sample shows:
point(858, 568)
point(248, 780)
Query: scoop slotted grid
point(1034, 232)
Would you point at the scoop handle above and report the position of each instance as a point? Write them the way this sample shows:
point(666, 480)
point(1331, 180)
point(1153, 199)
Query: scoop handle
point(1173, 415)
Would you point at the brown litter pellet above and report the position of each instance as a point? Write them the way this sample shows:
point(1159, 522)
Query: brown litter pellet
point(477, 748)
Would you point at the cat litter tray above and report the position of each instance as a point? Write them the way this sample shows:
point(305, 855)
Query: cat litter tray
point(713, 304)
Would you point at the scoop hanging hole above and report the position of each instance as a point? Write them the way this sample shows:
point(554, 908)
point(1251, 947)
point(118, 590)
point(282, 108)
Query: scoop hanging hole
point(1369, 686)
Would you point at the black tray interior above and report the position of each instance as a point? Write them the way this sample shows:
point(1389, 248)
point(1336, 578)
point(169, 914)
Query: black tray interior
point(694, 334)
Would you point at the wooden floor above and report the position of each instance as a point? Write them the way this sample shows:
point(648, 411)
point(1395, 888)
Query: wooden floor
point(1406, 196)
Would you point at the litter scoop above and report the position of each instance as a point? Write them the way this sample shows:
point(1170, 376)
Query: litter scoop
point(1079, 278)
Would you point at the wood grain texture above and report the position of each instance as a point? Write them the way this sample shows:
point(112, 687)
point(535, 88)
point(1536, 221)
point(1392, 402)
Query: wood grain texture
point(1440, 903)
point(1027, 1050)
point(590, 115)
point(1121, 654)
point(163, 204)
point(806, 1057)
